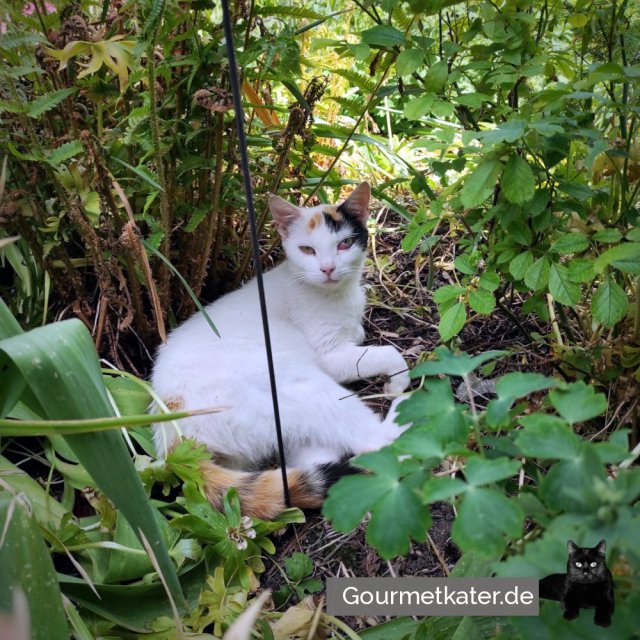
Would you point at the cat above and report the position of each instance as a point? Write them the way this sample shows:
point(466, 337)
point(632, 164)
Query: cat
point(315, 303)
point(588, 584)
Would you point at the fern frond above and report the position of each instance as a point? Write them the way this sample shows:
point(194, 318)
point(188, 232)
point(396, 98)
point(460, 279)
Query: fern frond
point(48, 101)
point(357, 78)
point(64, 152)
point(351, 106)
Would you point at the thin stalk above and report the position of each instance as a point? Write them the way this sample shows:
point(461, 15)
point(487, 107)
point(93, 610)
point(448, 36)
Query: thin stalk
point(165, 209)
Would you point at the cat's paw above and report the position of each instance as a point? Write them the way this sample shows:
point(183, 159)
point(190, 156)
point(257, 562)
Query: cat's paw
point(602, 620)
point(570, 614)
point(397, 370)
point(397, 383)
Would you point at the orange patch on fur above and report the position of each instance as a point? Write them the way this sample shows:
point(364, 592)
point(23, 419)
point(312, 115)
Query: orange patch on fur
point(175, 404)
point(314, 221)
point(333, 212)
point(261, 494)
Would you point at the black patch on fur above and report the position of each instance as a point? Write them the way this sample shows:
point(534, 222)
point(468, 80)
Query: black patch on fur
point(270, 461)
point(331, 472)
point(348, 221)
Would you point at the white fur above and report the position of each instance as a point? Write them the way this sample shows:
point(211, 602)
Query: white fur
point(316, 327)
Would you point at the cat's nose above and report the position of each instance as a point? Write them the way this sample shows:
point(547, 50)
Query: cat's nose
point(328, 269)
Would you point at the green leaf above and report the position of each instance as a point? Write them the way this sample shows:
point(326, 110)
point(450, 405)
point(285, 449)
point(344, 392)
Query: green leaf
point(537, 275)
point(293, 12)
point(436, 77)
point(61, 378)
point(608, 236)
point(484, 516)
point(450, 364)
point(396, 518)
point(519, 266)
point(569, 484)
point(578, 402)
point(298, 566)
point(480, 184)
point(479, 471)
point(48, 101)
point(64, 152)
point(489, 281)
point(625, 257)
point(482, 302)
point(447, 293)
point(517, 384)
point(518, 182)
point(28, 572)
point(418, 107)
point(609, 303)
point(561, 287)
point(409, 61)
point(570, 243)
point(547, 436)
point(383, 35)
point(351, 497)
point(439, 489)
point(452, 321)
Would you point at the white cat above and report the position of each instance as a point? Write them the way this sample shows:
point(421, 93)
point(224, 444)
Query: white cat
point(315, 304)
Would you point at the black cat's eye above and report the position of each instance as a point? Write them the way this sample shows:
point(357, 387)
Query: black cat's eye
point(346, 243)
point(578, 564)
point(310, 251)
point(594, 564)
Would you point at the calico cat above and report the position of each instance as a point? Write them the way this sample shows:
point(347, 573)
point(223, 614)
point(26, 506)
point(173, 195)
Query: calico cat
point(315, 303)
point(588, 584)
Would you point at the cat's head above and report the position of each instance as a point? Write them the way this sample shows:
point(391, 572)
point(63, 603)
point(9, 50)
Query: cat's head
point(326, 245)
point(586, 564)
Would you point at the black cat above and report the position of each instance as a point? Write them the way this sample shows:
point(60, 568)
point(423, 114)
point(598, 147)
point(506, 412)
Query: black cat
point(588, 584)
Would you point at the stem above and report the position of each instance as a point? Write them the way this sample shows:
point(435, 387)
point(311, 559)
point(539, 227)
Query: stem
point(165, 211)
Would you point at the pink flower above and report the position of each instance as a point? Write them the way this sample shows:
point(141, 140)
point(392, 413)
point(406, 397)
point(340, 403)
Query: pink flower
point(29, 8)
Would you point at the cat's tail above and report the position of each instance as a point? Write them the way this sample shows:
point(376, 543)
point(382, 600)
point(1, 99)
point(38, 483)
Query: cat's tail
point(261, 493)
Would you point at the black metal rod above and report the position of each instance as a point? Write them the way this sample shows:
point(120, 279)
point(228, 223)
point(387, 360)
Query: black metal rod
point(246, 177)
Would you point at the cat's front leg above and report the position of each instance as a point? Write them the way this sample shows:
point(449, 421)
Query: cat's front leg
point(350, 362)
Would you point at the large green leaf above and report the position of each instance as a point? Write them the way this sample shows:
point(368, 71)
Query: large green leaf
point(625, 257)
point(578, 402)
point(609, 303)
point(480, 184)
point(382, 35)
point(452, 321)
point(59, 370)
point(518, 182)
point(547, 436)
point(132, 606)
point(561, 287)
point(27, 571)
point(484, 517)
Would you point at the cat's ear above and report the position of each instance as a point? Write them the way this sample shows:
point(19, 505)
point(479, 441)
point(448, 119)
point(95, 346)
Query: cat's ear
point(283, 212)
point(357, 204)
point(601, 547)
point(572, 547)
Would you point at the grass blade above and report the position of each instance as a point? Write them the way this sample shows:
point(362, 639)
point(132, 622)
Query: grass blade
point(59, 367)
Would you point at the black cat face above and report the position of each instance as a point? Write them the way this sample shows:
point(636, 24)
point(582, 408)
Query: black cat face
point(586, 564)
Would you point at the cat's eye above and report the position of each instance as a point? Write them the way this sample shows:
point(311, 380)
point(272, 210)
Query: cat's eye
point(594, 564)
point(347, 243)
point(310, 251)
point(578, 564)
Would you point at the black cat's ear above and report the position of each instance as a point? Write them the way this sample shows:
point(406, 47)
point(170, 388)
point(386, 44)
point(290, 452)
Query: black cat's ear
point(283, 212)
point(357, 204)
point(601, 547)
point(572, 547)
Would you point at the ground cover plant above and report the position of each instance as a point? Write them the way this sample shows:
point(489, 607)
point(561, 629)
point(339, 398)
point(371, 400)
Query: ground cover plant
point(501, 139)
